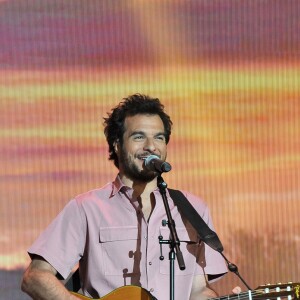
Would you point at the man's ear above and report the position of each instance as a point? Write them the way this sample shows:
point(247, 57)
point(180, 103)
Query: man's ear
point(117, 146)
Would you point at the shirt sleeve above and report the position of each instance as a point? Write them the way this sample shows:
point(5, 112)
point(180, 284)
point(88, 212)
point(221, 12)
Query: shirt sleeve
point(62, 243)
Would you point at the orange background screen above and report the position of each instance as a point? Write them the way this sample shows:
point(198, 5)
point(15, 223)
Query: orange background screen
point(228, 75)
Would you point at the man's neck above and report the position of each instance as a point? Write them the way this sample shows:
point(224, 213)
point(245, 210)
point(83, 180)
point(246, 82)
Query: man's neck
point(140, 188)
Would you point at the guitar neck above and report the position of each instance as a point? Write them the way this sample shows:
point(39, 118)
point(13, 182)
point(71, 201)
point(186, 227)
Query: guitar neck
point(242, 295)
point(290, 291)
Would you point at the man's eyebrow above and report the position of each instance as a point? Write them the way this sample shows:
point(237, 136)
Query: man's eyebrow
point(161, 133)
point(143, 133)
point(137, 132)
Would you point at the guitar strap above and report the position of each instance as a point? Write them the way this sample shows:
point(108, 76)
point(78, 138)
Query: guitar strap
point(207, 235)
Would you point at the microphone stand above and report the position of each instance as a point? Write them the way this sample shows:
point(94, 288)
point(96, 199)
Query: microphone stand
point(174, 241)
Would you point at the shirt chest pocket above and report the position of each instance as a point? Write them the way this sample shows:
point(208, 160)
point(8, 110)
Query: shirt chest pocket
point(188, 246)
point(120, 247)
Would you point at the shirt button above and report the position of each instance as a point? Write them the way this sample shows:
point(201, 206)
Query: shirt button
point(145, 237)
point(150, 263)
point(151, 290)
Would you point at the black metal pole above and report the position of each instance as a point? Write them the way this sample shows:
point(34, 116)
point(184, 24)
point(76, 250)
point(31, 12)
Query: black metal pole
point(174, 241)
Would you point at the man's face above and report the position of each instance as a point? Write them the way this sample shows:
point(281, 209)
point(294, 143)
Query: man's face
point(144, 135)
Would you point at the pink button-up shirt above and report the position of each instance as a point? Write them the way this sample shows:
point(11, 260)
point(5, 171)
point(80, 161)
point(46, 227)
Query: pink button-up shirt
point(105, 231)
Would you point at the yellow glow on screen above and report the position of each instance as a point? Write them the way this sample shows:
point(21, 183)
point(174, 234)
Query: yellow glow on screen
point(232, 93)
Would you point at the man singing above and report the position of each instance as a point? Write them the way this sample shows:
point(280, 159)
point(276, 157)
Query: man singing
point(113, 231)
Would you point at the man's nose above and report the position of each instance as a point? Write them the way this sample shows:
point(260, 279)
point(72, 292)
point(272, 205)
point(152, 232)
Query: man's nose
point(149, 145)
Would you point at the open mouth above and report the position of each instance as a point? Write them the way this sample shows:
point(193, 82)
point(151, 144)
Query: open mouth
point(144, 157)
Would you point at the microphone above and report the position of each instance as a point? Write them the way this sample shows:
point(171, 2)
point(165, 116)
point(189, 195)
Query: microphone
point(153, 163)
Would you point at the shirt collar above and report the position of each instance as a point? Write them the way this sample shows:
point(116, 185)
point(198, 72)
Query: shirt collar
point(117, 185)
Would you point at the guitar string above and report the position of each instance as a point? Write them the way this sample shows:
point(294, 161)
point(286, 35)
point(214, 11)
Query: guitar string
point(245, 295)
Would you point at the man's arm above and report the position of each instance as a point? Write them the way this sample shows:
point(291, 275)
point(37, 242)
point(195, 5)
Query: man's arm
point(40, 282)
point(201, 289)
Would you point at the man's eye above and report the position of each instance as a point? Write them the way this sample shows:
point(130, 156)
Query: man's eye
point(138, 137)
point(161, 137)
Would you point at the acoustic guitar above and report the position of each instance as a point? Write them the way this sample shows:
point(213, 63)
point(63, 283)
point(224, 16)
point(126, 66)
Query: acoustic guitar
point(280, 291)
point(128, 292)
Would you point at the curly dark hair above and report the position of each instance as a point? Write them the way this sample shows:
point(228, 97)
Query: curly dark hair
point(131, 106)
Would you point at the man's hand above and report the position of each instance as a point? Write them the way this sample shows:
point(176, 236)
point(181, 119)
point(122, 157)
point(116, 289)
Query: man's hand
point(237, 290)
point(202, 291)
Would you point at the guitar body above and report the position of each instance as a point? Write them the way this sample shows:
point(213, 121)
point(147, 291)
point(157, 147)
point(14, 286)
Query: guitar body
point(280, 291)
point(129, 292)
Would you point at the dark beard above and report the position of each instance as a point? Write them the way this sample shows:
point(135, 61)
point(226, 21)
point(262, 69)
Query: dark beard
point(132, 171)
point(135, 174)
